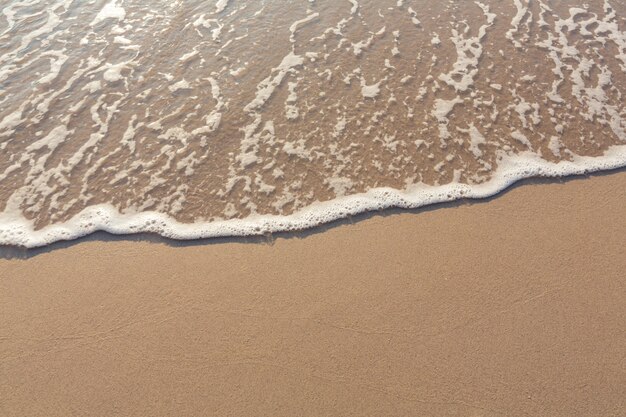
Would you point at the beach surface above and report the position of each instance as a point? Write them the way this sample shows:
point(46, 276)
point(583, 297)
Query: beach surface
point(508, 307)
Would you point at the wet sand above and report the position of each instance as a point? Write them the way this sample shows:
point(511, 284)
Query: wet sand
point(512, 307)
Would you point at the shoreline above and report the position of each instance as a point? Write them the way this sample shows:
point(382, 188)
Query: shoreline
point(511, 305)
point(17, 231)
point(8, 251)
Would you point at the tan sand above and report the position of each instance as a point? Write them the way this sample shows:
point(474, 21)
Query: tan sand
point(514, 307)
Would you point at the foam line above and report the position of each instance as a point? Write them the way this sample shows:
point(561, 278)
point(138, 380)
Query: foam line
point(18, 231)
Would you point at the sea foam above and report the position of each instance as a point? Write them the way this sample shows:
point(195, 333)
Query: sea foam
point(15, 230)
point(201, 119)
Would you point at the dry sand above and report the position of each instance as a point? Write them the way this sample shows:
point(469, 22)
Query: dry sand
point(515, 306)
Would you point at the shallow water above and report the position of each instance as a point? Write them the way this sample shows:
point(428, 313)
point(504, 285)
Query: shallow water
point(175, 117)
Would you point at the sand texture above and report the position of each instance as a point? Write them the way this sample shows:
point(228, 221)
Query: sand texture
point(511, 307)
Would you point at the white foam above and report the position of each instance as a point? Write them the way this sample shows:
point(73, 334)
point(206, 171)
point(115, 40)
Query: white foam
point(110, 11)
point(55, 65)
point(555, 146)
point(266, 88)
point(521, 138)
point(220, 5)
point(441, 110)
point(469, 51)
point(180, 85)
point(16, 230)
point(9, 122)
point(370, 91)
point(414, 18)
point(113, 73)
point(522, 9)
point(294, 27)
point(355, 6)
point(476, 140)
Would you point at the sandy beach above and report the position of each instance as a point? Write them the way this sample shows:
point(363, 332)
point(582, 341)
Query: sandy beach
point(513, 306)
point(128, 122)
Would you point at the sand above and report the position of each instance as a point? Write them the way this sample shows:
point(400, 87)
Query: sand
point(514, 306)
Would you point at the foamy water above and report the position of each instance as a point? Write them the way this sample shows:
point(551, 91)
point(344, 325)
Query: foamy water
point(232, 117)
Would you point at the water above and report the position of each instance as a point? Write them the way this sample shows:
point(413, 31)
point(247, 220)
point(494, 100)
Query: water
point(229, 117)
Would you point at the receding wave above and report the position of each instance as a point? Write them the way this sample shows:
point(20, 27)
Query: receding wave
point(234, 117)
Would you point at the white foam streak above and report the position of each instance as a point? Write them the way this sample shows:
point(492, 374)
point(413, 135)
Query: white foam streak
point(266, 87)
point(220, 6)
point(110, 11)
point(294, 27)
point(522, 9)
point(16, 230)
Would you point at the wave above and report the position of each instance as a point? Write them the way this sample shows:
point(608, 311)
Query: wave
point(15, 230)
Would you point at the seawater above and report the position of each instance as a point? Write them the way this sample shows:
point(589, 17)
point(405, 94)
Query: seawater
point(234, 117)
